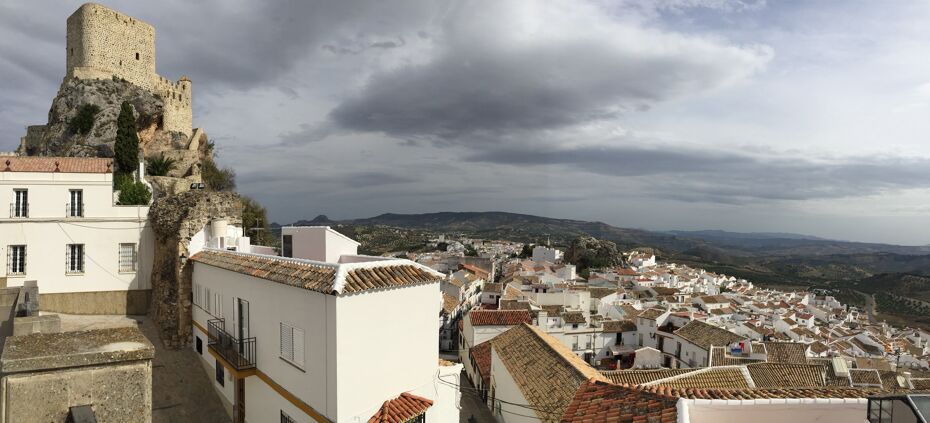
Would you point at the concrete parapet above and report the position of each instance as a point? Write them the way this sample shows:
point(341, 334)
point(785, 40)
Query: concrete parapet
point(47, 351)
point(49, 323)
point(133, 302)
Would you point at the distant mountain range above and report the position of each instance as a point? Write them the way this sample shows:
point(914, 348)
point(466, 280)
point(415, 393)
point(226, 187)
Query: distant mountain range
point(699, 244)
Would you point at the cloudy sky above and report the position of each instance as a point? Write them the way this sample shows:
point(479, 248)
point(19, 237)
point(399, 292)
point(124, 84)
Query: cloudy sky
point(796, 116)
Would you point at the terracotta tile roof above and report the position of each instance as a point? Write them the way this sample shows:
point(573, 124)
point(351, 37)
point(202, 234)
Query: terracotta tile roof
point(481, 355)
point(720, 357)
point(321, 277)
point(573, 317)
point(730, 377)
point(546, 371)
point(786, 352)
point(515, 305)
point(714, 299)
point(617, 326)
point(652, 313)
point(872, 363)
point(493, 288)
point(499, 317)
point(777, 375)
point(638, 377)
point(603, 402)
point(401, 409)
point(867, 348)
point(819, 347)
point(704, 335)
point(737, 394)
point(601, 292)
point(55, 164)
point(865, 377)
point(445, 363)
point(449, 303)
point(829, 375)
point(921, 383)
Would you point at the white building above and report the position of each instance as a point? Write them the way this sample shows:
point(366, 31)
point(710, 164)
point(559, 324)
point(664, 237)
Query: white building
point(551, 255)
point(62, 228)
point(319, 243)
point(343, 341)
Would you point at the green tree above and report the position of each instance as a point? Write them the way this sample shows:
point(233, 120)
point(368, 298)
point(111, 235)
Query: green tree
point(217, 179)
point(134, 194)
point(527, 251)
point(255, 221)
point(127, 141)
point(159, 165)
point(470, 251)
point(83, 120)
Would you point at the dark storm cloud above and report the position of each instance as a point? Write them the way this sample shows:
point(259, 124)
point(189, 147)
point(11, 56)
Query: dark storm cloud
point(707, 175)
point(484, 81)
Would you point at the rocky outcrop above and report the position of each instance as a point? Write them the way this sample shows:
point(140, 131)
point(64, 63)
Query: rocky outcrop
point(56, 138)
point(588, 253)
point(175, 220)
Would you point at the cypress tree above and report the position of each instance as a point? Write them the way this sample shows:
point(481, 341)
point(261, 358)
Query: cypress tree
point(127, 141)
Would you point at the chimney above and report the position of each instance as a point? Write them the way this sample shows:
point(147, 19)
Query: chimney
point(542, 319)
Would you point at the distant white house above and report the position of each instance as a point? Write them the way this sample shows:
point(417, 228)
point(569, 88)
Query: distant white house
point(541, 253)
point(60, 226)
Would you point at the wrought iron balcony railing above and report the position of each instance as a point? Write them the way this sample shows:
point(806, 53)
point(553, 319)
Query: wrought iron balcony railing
point(239, 353)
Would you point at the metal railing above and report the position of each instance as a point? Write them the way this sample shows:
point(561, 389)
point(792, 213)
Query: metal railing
point(239, 353)
point(19, 210)
point(74, 210)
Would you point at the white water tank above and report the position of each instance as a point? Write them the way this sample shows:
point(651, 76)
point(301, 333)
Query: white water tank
point(218, 228)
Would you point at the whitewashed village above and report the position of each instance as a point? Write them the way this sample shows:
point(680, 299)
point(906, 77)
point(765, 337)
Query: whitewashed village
point(312, 331)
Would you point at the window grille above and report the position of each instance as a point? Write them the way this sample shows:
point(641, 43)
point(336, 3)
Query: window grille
point(16, 260)
point(128, 258)
point(74, 258)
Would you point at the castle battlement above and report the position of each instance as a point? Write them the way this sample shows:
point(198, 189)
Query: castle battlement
point(103, 43)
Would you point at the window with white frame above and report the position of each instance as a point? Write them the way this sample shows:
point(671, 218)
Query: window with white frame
point(292, 344)
point(76, 205)
point(74, 258)
point(127, 257)
point(16, 260)
point(20, 206)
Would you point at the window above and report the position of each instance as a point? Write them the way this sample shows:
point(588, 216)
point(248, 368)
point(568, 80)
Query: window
point(137, 56)
point(286, 419)
point(16, 260)
point(76, 205)
point(74, 258)
point(287, 243)
point(419, 418)
point(20, 204)
point(199, 345)
point(292, 344)
point(127, 257)
point(220, 376)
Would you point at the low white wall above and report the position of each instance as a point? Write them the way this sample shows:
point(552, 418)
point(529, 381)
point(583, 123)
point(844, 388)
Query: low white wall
point(819, 410)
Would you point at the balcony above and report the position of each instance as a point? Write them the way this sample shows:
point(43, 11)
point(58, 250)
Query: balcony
point(239, 353)
point(19, 210)
point(74, 210)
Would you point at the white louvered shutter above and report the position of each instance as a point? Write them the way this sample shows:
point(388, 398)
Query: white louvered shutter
point(287, 342)
point(298, 340)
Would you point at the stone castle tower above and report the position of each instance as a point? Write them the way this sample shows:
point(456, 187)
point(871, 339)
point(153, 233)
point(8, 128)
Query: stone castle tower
point(103, 43)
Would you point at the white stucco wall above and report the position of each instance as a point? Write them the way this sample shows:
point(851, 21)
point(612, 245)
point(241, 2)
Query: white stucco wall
point(270, 304)
point(360, 350)
point(319, 243)
point(506, 389)
point(48, 230)
point(388, 338)
point(773, 411)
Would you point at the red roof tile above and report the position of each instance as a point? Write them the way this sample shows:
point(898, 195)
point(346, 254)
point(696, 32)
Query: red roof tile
point(401, 409)
point(481, 354)
point(499, 317)
point(55, 164)
point(603, 402)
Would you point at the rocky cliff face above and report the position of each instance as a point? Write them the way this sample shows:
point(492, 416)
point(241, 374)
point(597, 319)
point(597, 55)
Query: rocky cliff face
point(56, 138)
point(175, 220)
point(588, 252)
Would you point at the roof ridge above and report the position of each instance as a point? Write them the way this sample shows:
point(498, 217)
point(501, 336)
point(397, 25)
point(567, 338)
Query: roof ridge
point(569, 356)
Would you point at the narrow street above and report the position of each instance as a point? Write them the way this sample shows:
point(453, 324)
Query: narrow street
point(472, 405)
